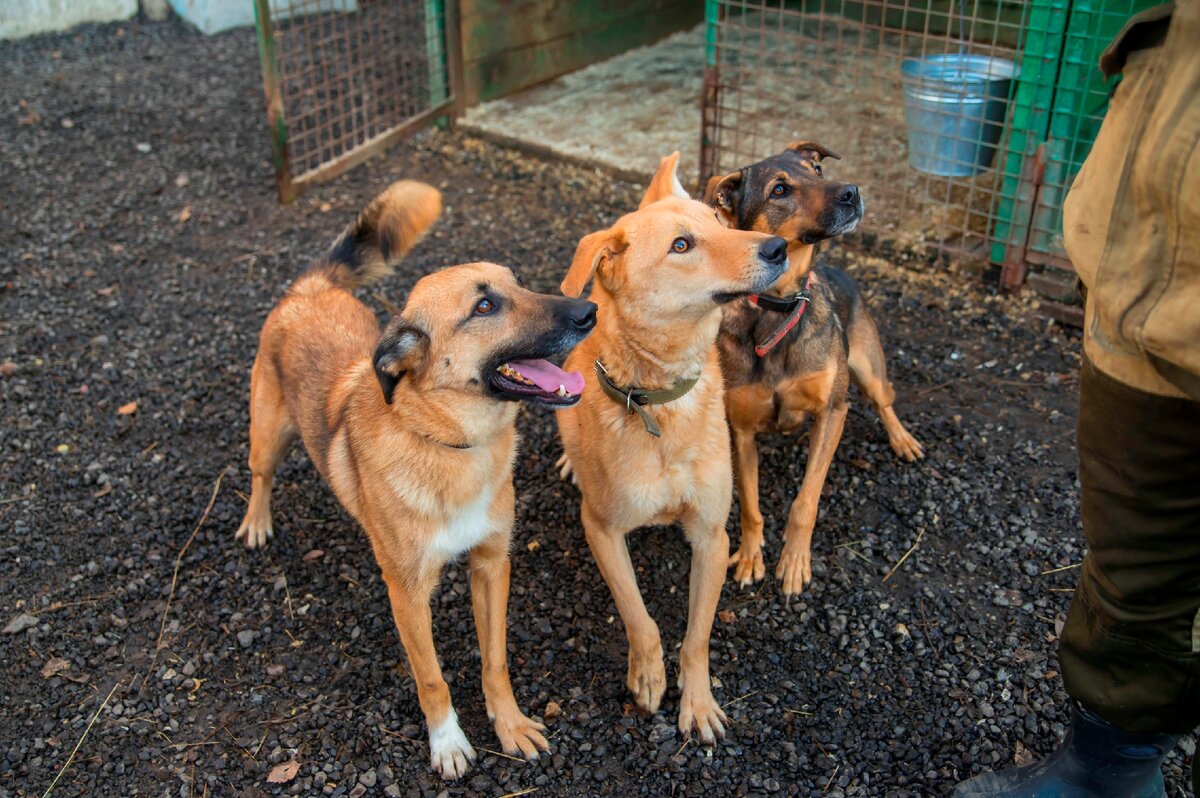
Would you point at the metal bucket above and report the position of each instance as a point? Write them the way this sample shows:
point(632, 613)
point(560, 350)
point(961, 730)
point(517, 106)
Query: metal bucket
point(955, 106)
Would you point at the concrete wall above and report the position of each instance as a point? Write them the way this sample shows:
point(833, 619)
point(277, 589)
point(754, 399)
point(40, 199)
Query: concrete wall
point(26, 17)
point(214, 16)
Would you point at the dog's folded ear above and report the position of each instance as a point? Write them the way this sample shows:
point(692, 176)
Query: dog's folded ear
point(665, 182)
point(401, 350)
point(593, 250)
point(725, 194)
point(813, 151)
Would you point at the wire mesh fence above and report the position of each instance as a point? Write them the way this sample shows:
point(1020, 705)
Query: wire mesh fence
point(963, 121)
point(346, 78)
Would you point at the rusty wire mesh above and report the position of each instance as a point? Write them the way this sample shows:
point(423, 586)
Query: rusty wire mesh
point(956, 162)
point(342, 75)
point(832, 71)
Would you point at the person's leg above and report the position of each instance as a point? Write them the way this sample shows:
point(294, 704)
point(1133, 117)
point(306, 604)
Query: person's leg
point(1130, 649)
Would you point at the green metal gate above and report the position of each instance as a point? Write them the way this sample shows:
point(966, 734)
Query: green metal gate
point(345, 79)
point(1060, 103)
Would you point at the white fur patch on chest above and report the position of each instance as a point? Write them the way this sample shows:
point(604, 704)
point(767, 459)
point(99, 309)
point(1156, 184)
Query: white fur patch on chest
point(466, 528)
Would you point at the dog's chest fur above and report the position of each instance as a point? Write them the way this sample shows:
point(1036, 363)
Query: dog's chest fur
point(464, 529)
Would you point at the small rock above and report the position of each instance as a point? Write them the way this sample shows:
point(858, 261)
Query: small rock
point(142, 147)
point(661, 733)
point(21, 623)
point(246, 637)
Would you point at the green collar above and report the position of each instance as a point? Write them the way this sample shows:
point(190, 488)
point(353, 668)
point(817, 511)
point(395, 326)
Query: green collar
point(636, 399)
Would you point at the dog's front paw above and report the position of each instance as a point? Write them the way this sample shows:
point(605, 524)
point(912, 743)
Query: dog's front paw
point(700, 713)
point(647, 678)
point(747, 565)
point(449, 752)
point(255, 531)
point(794, 571)
point(520, 736)
point(906, 446)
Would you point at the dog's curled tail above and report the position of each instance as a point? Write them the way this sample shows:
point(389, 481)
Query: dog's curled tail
point(372, 245)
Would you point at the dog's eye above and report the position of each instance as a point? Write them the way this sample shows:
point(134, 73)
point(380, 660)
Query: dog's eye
point(817, 168)
point(484, 307)
point(781, 190)
point(680, 245)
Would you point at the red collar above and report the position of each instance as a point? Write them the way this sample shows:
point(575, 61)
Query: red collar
point(794, 306)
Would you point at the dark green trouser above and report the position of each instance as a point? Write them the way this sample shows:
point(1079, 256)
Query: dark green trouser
point(1130, 649)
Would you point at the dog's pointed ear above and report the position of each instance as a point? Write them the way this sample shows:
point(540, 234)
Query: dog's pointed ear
point(401, 350)
point(811, 150)
point(725, 194)
point(665, 182)
point(592, 251)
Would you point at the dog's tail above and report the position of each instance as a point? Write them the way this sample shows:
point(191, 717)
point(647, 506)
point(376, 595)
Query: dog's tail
point(371, 246)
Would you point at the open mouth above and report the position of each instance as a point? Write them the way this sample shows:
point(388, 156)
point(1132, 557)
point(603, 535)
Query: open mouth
point(537, 381)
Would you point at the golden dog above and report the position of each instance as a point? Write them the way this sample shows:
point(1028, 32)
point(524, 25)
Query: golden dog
point(415, 432)
point(648, 442)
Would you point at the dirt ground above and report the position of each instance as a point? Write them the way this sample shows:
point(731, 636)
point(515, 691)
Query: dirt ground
point(142, 248)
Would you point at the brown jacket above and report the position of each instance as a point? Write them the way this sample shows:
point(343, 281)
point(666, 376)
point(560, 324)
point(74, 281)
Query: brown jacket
point(1132, 218)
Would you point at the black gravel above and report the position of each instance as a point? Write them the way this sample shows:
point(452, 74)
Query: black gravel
point(142, 248)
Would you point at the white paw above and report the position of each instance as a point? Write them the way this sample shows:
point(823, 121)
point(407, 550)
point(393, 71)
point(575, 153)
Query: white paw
point(449, 752)
point(255, 532)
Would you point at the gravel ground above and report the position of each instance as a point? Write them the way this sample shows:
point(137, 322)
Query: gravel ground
point(142, 250)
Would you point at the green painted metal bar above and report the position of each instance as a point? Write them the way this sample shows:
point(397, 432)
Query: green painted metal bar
point(1032, 103)
point(435, 51)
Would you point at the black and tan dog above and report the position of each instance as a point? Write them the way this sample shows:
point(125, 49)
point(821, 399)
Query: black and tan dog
point(791, 353)
point(414, 431)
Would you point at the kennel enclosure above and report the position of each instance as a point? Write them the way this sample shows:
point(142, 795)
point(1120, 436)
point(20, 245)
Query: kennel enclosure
point(963, 120)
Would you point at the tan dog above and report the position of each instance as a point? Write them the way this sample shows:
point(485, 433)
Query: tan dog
point(662, 275)
point(793, 352)
point(415, 432)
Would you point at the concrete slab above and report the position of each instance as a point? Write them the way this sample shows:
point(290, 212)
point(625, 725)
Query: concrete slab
point(623, 114)
point(20, 18)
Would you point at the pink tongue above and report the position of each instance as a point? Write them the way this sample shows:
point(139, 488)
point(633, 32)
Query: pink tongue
point(548, 376)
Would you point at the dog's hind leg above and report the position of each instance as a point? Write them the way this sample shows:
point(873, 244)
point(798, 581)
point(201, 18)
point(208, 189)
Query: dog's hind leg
point(490, 569)
point(869, 370)
point(271, 432)
point(647, 677)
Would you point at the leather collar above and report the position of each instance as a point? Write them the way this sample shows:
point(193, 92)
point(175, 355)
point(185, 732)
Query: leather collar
point(794, 306)
point(636, 399)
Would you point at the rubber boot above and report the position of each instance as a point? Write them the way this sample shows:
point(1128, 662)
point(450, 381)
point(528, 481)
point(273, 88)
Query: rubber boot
point(1095, 760)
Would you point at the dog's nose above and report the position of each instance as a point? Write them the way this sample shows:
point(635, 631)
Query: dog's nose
point(583, 314)
point(773, 250)
point(848, 195)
